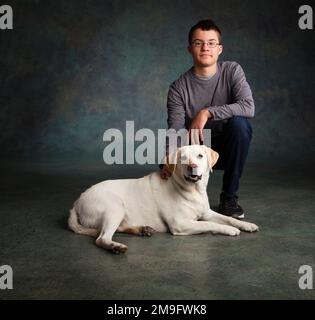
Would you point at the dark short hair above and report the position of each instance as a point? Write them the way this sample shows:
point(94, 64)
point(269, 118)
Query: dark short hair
point(206, 24)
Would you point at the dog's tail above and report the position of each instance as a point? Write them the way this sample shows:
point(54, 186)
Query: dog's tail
point(75, 226)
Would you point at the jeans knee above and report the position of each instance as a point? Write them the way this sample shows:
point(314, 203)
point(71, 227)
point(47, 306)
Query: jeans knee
point(240, 126)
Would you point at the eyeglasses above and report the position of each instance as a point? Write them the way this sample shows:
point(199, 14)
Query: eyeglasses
point(209, 44)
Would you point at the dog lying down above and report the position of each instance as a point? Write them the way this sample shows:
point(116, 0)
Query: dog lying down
point(150, 204)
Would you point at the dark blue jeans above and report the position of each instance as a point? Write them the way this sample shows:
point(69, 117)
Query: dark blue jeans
point(232, 144)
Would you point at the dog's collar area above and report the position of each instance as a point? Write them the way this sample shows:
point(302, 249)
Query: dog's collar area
point(193, 178)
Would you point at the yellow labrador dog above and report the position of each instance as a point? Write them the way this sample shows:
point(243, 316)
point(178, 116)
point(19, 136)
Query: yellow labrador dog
point(150, 204)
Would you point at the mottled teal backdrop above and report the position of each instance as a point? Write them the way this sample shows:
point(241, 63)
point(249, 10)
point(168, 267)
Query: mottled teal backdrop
point(72, 69)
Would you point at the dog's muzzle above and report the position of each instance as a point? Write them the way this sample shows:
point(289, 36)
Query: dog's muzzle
point(193, 178)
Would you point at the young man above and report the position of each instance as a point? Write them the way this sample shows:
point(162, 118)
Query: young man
point(215, 95)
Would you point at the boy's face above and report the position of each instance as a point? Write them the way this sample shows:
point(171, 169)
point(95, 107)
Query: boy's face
point(205, 48)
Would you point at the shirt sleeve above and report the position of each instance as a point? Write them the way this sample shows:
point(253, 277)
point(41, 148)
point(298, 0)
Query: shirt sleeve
point(175, 109)
point(243, 102)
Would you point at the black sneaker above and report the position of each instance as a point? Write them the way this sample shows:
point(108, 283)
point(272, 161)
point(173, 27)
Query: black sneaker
point(230, 207)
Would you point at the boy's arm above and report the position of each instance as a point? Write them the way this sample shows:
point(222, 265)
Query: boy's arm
point(243, 104)
point(175, 109)
point(175, 119)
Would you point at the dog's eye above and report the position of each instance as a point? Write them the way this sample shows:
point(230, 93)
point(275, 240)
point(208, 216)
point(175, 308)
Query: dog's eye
point(200, 155)
point(183, 158)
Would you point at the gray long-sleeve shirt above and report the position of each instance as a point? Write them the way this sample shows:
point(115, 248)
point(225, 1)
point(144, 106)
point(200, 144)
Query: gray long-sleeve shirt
point(226, 94)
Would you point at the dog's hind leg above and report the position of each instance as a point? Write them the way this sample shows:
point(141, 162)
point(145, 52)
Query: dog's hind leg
point(75, 226)
point(110, 225)
point(144, 231)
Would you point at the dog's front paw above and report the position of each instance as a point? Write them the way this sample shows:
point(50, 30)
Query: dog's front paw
point(147, 231)
point(231, 231)
point(249, 227)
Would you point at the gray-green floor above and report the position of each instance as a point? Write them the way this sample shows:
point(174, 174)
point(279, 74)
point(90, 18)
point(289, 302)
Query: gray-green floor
point(51, 262)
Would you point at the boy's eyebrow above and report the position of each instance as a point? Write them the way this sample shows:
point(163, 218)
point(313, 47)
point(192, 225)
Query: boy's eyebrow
point(206, 40)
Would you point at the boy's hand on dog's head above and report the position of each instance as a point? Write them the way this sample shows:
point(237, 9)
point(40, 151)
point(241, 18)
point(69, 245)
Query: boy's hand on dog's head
point(165, 173)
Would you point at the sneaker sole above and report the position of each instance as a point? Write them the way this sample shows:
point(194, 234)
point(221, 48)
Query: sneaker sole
point(235, 216)
point(240, 217)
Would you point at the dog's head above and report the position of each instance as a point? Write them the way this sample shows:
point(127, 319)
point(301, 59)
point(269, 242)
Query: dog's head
point(191, 163)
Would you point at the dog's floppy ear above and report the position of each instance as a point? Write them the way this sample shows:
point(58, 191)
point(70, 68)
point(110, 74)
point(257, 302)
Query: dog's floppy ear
point(213, 157)
point(171, 161)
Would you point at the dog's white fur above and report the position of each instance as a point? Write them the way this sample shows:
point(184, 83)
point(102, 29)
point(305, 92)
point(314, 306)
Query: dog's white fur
point(150, 204)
